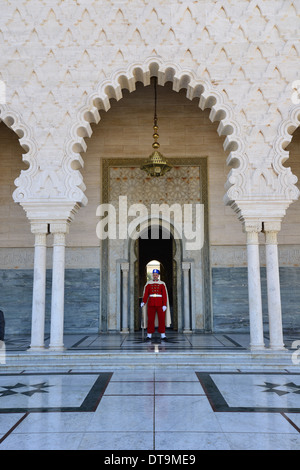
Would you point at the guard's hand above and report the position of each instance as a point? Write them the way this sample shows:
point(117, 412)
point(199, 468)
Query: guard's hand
point(164, 308)
point(142, 304)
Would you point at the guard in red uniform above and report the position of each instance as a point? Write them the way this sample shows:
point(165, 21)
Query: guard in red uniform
point(155, 293)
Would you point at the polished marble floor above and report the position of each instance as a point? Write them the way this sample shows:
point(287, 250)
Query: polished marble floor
point(136, 342)
point(151, 409)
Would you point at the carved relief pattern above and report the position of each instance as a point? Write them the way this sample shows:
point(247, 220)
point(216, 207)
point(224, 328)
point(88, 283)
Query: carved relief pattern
point(181, 187)
point(63, 61)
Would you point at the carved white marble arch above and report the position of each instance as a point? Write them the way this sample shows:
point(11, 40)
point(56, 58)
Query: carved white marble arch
point(284, 136)
point(250, 207)
point(14, 121)
point(71, 184)
point(209, 97)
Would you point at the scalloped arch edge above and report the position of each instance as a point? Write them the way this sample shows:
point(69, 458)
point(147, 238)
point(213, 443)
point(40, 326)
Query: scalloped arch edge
point(126, 78)
point(13, 120)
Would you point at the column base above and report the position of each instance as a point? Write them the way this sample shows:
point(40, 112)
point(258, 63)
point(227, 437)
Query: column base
point(277, 348)
point(187, 331)
point(56, 348)
point(125, 330)
point(257, 347)
point(36, 348)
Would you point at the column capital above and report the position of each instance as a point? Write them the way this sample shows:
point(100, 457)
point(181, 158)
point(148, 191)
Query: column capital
point(48, 210)
point(39, 227)
point(270, 230)
point(59, 227)
point(272, 226)
point(263, 209)
point(185, 265)
point(125, 267)
point(252, 226)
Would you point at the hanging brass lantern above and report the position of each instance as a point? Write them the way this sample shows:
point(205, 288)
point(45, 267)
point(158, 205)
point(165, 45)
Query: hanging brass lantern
point(156, 164)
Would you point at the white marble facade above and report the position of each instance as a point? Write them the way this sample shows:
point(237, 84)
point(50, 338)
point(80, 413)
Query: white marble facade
point(62, 63)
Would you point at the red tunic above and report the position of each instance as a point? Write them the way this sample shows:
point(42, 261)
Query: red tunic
point(156, 295)
point(155, 289)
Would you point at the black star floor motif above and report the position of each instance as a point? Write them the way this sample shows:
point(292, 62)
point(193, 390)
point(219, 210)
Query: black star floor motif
point(29, 389)
point(274, 392)
point(283, 389)
point(53, 392)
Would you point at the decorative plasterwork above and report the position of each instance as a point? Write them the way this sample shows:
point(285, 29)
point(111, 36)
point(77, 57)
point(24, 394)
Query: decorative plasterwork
point(263, 180)
point(286, 179)
point(239, 57)
point(283, 138)
point(14, 121)
point(266, 179)
point(31, 190)
point(209, 97)
point(58, 178)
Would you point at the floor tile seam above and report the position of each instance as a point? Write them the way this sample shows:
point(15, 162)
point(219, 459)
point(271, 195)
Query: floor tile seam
point(12, 429)
point(154, 394)
point(290, 421)
point(180, 395)
point(38, 433)
point(226, 437)
point(123, 382)
point(131, 381)
point(204, 431)
point(200, 432)
point(257, 432)
point(105, 431)
point(180, 432)
point(128, 394)
point(87, 434)
point(152, 381)
point(187, 382)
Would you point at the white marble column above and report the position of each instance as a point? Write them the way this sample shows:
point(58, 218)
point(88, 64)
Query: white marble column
point(39, 286)
point(186, 294)
point(273, 285)
point(124, 272)
point(254, 286)
point(58, 286)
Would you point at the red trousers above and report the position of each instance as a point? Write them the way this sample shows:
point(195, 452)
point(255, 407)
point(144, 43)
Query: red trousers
point(151, 319)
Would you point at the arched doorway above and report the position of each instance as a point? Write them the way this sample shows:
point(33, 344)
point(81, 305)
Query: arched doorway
point(160, 247)
point(187, 266)
point(147, 202)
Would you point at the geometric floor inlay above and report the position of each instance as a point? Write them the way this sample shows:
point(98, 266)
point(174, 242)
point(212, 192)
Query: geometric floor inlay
point(23, 389)
point(51, 392)
point(281, 389)
point(176, 342)
point(256, 392)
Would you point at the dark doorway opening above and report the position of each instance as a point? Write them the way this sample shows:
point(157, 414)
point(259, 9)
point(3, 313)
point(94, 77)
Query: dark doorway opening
point(158, 245)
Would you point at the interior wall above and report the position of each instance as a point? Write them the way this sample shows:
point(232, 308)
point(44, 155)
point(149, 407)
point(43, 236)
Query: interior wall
point(14, 226)
point(125, 131)
point(290, 230)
